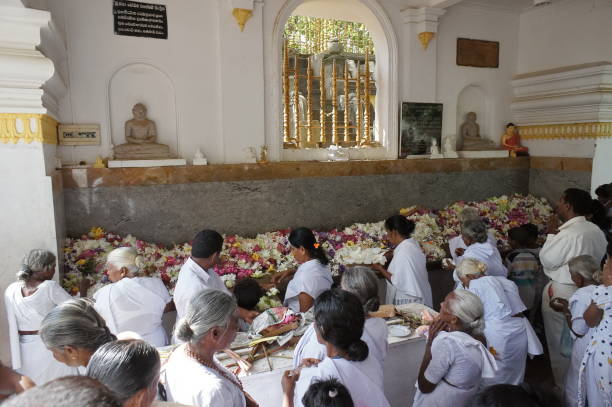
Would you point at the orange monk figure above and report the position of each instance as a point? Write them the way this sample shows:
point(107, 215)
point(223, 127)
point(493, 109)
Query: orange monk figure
point(512, 141)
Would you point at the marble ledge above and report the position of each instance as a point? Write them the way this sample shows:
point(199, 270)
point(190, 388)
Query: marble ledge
point(107, 177)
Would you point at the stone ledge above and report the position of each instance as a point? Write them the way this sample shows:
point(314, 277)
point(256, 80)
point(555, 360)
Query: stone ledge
point(106, 177)
point(562, 163)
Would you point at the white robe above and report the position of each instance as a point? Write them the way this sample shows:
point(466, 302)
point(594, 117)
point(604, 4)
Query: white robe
point(311, 278)
point(595, 376)
point(29, 355)
point(511, 338)
point(364, 391)
point(191, 281)
point(578, 303)
point(458, 365)
point(189, 382)
point(409, 279)
point(576, 237)
point(135, 304)
point(489, 255)
point(375, 333)
point(457, 242)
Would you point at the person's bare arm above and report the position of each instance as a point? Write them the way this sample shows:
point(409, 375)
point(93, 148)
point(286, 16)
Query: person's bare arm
point(306, 302)
point(593, 315)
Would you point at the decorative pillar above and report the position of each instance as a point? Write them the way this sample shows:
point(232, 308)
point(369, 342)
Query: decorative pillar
point(567, 112)
point(420, 28)
point(31, 198)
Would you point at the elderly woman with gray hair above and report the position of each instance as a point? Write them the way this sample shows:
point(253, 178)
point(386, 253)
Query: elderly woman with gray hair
point(28, 300)
point(456, 245)
point(130, 369)
point(586, 274)
point(362, 282)
point(475, 236)
point(73, 331)
point(192, 375)
point(509, 334)
point(455, 360)
point(133, 302)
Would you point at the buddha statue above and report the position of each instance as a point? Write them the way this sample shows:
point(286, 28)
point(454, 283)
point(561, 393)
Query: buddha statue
point(141, 134)
point(470, 135)
point(511, 141)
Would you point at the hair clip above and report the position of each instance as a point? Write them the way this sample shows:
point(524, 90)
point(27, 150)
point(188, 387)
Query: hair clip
point(316, 245)
point(333, 393)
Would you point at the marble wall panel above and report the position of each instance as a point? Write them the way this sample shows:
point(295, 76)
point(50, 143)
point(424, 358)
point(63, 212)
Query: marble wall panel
point(175, 212)
point(551, 183)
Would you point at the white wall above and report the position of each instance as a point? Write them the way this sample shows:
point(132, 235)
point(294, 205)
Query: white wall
point(189, 57)
point(566, 33)
point(483, 24)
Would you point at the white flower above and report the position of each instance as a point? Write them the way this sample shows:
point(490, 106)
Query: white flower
point(229, 280)
point(359, 255)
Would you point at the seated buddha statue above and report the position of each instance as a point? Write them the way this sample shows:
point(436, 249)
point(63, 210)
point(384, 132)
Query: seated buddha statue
point(141, 134)
point(511, 141)
point(470, 135)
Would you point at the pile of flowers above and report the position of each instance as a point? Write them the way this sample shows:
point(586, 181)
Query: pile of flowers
point(267, 253)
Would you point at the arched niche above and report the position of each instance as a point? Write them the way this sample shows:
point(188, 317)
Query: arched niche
point(473, 98)
point(147, 84)
point(370, 13)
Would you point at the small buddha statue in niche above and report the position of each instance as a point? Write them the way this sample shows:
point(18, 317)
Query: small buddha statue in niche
point(470, 135)
point(511, 141)
point(141, 134)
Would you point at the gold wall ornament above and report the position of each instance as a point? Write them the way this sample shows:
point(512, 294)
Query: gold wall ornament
point(566, 131)
point(27, 127)
point(425, 37)
point(242, 15)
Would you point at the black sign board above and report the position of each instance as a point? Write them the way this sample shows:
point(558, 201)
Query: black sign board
point(140, 19)
point(420, 124)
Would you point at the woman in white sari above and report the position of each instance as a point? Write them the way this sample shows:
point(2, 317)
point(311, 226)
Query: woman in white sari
point(407, 279)
point(73, 331)
point(312, 276)
point(595, 375)
point(474, 235)
point(584, 271)
point(456, 245)
point(133, 302)
point(27, 302)
point(455, 361)
point(339, 321)
point(192, 375)
point(509, 334)
point(362, 282)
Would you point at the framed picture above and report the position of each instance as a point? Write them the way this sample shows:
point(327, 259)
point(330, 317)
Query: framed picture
point(79, 134)
point(477, 53)
point(420, 123)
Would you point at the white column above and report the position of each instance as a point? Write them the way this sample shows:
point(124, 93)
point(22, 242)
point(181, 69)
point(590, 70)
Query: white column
point(602, 163)
point(31, 202)
point(241, 83)
point(420, 57)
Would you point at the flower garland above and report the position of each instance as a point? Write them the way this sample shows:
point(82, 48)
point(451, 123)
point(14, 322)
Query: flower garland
point(267, 253)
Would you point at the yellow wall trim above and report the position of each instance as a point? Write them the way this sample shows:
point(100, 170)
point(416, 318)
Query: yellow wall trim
point(566, 131)
point(27, 127)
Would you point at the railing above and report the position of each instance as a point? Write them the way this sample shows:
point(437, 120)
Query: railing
point(343, 117)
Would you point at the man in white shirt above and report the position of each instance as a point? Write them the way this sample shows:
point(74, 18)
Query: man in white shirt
point(198, 273)
point(575, 237)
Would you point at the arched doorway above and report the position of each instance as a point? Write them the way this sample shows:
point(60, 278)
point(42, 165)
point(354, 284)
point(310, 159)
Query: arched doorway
point(371, 14)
